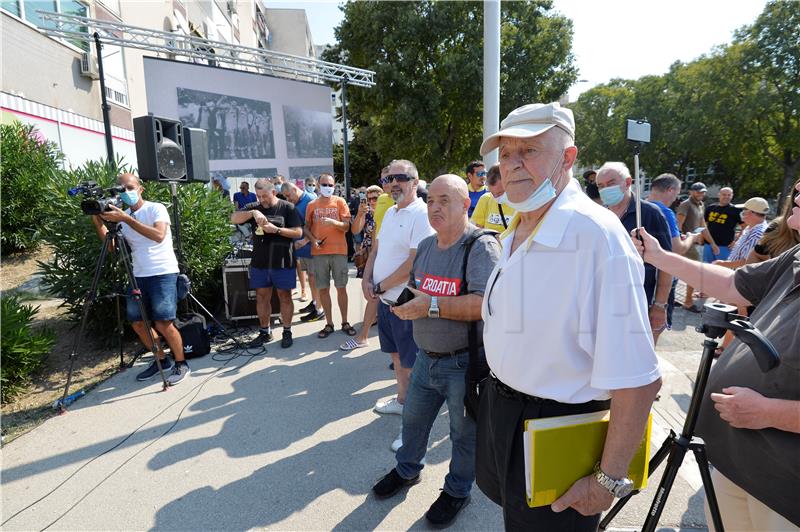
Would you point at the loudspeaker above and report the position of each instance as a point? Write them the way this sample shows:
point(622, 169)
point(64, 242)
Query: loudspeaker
point(196, 149)
point(240, 300)
point(159, 149)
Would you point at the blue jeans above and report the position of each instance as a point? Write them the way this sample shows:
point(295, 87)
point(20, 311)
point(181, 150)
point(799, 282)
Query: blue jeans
point(434, 381)
point(159, 298)
point(708, 254)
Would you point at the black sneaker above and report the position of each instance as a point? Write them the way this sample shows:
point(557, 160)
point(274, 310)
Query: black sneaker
point(286, 340)
point(152, 369)
point(391, 484)
point(308, 308)
point(262, 338)
point(314, 315)
point(445, 509)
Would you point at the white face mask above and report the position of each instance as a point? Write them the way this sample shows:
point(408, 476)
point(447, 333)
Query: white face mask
point(326, 190)
point(544, 193)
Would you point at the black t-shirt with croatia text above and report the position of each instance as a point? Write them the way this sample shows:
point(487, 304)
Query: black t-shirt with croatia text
point(721, 222)
point(270, 250)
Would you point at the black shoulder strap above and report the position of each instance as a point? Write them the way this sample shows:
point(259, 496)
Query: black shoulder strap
point(502, 216)
point(472, 331)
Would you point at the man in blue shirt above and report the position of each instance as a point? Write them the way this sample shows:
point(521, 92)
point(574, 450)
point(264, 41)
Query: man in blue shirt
point(476, 183)
point(244, 196)
point(614, 183)
point(664, 190)
point(301, 199)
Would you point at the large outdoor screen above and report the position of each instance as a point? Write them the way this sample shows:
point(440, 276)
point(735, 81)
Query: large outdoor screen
point(257, 125)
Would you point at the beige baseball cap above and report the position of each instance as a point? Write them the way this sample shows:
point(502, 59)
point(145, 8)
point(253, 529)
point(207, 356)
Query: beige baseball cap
point(758, 205)
point(529, 121)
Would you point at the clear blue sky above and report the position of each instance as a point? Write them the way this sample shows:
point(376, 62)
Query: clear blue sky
point(612, 38)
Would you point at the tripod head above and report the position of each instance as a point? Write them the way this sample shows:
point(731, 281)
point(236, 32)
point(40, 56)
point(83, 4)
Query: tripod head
point(719, 318)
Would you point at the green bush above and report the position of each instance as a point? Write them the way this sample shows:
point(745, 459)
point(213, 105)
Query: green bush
point(205, 218)
point(23, 350)
point(28, 162)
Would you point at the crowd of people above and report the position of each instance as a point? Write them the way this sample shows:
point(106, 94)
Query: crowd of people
point(552, 295)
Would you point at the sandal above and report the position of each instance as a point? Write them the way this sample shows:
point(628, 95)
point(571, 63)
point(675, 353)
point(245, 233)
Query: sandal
point(326, 331)
point(348, 329)
point(352, 343)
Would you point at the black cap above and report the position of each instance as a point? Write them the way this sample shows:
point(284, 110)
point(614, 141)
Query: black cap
point(698, 187)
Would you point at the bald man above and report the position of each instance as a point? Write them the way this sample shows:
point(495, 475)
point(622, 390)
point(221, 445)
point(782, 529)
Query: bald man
point(145, 226)
point(443, 306)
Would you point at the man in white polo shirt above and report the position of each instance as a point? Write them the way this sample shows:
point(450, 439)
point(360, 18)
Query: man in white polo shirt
point(386, 274)
point(565, 325)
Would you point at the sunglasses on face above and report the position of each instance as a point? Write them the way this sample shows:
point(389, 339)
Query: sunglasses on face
point(482, 173)
point(373, 198)
point(400, 178)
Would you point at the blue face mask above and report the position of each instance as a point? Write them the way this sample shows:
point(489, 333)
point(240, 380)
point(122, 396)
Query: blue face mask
point(544, 193)
point(130, 197)
point(612, 195)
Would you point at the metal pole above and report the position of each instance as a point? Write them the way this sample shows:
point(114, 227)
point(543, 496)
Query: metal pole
point(491, 72)
point(106, 107)
point(344, 139)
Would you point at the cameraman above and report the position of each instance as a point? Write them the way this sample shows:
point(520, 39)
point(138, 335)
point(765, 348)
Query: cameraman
point(750, 420)
point(145, 227)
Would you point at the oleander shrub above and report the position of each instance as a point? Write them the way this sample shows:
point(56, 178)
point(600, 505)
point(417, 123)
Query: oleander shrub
point(24, 349)
point(27, 162)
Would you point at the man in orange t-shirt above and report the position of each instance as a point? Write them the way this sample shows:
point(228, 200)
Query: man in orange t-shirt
point(327, 222)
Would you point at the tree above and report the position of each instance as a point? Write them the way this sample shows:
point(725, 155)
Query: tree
point(427, 102)
point(365, 166)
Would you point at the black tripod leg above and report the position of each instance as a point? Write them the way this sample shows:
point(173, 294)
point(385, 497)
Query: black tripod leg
point(120, 333)
point(87, 305)
point(137, 296)
point(655, 461)
point(711, 497)
point(676, 454)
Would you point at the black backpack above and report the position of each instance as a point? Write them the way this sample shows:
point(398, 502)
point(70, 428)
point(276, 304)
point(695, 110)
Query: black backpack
point(478, 369)
point(196, 342)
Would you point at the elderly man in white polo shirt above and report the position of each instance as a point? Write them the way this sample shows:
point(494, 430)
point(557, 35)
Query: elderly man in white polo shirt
point(566, 326)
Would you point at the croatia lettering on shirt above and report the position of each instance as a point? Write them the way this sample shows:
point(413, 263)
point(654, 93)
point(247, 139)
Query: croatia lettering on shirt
point(438, 286)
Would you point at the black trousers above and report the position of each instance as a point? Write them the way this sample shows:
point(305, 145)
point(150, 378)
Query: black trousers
point(500, 463)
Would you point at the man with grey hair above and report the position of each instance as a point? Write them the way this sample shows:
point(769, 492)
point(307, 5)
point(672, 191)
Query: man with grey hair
point(443, 306)
point(386, 274)
point(275, 225)
point(721, 218)
point(614, 184)
point(555, 339)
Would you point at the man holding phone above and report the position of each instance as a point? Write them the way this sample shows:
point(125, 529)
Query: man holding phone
point(441, 307)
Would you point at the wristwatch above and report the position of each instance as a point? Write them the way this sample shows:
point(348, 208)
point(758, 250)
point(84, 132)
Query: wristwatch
point(433, 310)
point(660, 305)
point(377, 288)
point(278, 231)
point(618, 487)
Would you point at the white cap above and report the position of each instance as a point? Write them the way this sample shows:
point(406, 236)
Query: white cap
point(758, 205)
point(529, 121)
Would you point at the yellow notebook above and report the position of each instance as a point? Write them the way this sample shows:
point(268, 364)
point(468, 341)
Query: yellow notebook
point(560, 450)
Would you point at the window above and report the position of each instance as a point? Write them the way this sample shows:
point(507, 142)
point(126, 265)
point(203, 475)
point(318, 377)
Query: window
point(114, 73)
point(26, 10)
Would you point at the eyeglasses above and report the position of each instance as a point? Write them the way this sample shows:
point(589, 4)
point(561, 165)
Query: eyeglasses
point(400, 178)
point(373, 198)
point(482, 173)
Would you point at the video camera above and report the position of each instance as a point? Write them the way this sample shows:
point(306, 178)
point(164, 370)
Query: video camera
point(96, 199)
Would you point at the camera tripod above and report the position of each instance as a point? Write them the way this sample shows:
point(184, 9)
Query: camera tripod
point(717, 319)
point(112, 240)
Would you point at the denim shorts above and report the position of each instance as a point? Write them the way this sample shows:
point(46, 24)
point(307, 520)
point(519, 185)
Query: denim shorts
point(280, 278)
point(396, 336)
point(159, 298)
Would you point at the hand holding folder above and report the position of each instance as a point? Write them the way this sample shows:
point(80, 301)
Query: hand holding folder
point(561, 450)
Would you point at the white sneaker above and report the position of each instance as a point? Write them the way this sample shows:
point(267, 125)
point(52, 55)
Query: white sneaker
point(396, 444)
point(390, 406)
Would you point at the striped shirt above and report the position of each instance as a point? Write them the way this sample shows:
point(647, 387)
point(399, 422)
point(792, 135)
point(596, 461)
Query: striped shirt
point(747, 241)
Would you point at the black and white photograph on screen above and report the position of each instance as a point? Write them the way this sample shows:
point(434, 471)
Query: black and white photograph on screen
point(303, 172)
point(308, 133)
point(238, 128)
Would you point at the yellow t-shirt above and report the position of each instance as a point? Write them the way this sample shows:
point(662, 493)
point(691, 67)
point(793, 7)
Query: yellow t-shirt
point(384, 202)
point(487, 213)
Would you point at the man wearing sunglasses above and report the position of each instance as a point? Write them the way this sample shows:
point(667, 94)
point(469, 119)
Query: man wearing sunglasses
point(556, 336)
point(145, 226)
point(476, 186)
point(387, 272)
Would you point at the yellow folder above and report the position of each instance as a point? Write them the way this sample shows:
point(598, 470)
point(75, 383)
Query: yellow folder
point(561, 450)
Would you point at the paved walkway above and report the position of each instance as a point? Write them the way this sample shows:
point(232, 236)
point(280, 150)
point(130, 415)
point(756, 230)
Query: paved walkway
point(283, 441)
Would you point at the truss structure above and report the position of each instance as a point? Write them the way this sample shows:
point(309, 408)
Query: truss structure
point(218, 53)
